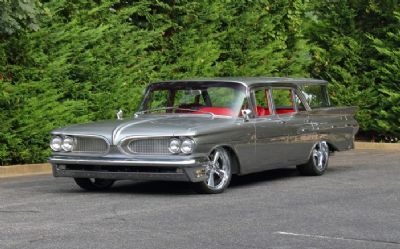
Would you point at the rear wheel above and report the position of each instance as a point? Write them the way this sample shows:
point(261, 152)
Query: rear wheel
point(318, 162)
point(218, 173)
point(94, 184)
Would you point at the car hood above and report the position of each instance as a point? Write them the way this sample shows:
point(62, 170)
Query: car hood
point(147, 125)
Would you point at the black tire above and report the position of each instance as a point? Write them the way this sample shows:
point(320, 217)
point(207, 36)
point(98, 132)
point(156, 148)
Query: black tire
point(318, 162)
point(219, 173)
point(94, 184)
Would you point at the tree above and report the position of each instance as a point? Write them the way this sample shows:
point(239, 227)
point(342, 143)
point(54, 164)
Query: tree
point(355, 48)
point(17, 15)
point(91, 58)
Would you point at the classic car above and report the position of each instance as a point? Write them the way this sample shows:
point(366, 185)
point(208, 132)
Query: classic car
point(205, 131)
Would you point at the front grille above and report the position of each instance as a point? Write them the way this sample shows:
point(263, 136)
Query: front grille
point(90, 145)
point(149, 146)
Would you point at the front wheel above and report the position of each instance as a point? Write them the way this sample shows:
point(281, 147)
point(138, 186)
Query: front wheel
point(94, 184)
point(318, 162)
point(218, 173)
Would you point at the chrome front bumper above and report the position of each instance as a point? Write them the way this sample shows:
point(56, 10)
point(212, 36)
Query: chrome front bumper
point(169, 169)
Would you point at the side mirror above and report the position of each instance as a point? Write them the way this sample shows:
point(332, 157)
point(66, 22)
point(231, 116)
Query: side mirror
point(120, 114)
point(246, 114)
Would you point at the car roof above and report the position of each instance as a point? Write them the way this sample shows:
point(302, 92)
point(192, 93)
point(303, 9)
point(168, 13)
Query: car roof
point(249, 81)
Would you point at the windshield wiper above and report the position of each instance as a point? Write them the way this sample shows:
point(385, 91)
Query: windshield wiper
point(172, 108)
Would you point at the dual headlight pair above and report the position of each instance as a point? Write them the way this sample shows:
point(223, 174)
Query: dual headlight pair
point(58, 143)
point(186, 145)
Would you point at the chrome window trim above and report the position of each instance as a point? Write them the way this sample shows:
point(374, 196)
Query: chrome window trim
point(302, 99)
point(291, 89)
point(267, 92)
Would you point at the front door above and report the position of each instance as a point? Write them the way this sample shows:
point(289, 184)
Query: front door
point(271, 133)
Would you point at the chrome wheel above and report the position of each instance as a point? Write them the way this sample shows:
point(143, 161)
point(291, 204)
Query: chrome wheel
point(218, 173)
point(318, 161)
point(218, 170)
point(320, 155)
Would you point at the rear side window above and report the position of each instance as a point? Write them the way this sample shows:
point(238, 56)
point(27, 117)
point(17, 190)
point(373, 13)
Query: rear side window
point(283, 100)
point(316, 95)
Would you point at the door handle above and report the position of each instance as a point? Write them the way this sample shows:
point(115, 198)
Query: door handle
point(282, 122)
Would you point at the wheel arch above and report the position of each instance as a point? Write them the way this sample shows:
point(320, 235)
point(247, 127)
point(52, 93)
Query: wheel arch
point(331, 146)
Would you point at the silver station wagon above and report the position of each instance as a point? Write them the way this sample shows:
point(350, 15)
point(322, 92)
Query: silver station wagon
point(205, 131)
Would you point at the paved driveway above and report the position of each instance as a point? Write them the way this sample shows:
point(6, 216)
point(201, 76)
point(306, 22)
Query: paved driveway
point(356, 204)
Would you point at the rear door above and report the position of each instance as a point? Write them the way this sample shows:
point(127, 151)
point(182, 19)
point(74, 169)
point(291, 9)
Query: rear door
point(301, 131)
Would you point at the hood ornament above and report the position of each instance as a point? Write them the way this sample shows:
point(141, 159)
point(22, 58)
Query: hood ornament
point(120, 114)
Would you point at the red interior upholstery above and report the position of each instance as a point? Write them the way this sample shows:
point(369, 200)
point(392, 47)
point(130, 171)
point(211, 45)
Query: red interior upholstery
point(284, 110)
point(217, 110)
point(262, 111)
point(187, 106)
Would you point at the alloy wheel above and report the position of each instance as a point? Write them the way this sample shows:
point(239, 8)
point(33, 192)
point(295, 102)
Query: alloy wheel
point(218, 170)
point(320, 155)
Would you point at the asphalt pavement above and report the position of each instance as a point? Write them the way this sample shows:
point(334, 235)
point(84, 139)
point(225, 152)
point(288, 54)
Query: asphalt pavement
point(356, 204)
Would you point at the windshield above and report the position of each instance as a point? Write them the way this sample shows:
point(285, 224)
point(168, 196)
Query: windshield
point(217, 98)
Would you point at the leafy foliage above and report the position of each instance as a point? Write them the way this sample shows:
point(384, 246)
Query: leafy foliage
point(17, 15)
point(91, 58)
point(356, 47)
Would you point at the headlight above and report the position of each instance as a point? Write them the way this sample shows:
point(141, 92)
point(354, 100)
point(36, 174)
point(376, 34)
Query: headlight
point(55, 143)
point(68, 144)
point(187, 146)
point(174, 145)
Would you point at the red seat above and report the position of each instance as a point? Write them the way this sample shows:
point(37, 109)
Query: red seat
point(284, 110)
point(262, 111)
point(217, 110)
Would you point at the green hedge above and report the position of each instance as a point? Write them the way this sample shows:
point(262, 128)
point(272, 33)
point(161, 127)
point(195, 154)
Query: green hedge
point(90, 58)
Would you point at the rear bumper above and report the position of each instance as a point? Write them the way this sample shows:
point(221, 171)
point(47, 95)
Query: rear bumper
point(190, 169)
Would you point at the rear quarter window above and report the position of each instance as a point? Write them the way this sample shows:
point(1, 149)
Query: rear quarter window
point(316, 95)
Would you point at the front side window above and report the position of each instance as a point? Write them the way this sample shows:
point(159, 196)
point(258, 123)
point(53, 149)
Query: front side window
point(261, 100)
point(316, 95)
